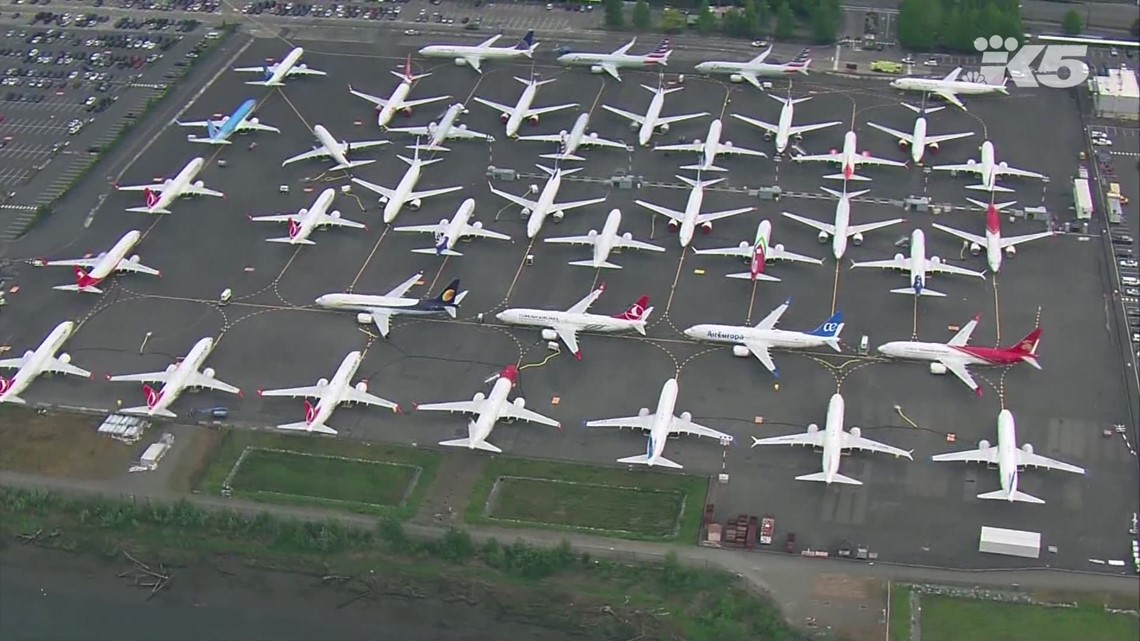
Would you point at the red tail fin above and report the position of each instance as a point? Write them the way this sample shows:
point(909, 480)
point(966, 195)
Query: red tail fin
point(4, 384)
point(294, 228)
point(635, 311)
point(151, 396)
point(1028, 345)
point(310, 411)
point(151, 197)
point(83, 279)
point(408, 69)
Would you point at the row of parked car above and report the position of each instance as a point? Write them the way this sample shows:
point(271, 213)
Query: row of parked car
point(86, 20)
point(197, 6)
point(157, 24)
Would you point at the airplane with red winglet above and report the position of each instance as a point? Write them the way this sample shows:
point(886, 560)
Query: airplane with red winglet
point(759, 254)
point(993, 242)
point(488, 409)
point(398, 101)
point(330, 394)
point(102, 266)
point(175, 379)
point(302, 223)
point(40, 361)
point(849, 159)
point(159, 196)
point(956, 355)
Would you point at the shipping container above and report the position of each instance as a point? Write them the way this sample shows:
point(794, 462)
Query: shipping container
point(996, 540)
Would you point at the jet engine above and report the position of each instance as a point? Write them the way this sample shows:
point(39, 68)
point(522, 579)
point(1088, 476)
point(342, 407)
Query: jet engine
point(525, 213)
point(169, 368)
point(779, 250)
point(383, 200)
point(252, 121)
point(461, 62)
point(1011, 251)
point(903, 144)
point(937, 369)
point(687, 417)
point(899, 257)
point(813, 428)
point(983, 444)
point(935, 260)
point(28, 354)
point(746, 249)
point(740, 351)
point(597, 69)
point(361, 387)
point(643, 412)
point(736, 77)
point(932, 146)
point(727, 144)
point(415, 203)
point(767, 135)
point(134, 260)
point(549, 335)
point(976, 249)
point(208, 372)
point(301, 65)
point(673, 225)
point(593, 233)
point(475, 225)
point(363, 318)
point(199, 184)
point(519, 402)
point(322, 382)
point(65, 358)
point(707, 227)
point(1027, 448)
point(856, 432)
point(626, 236)
point(1003, 165)
point(533, 119)
point(823, 237)
point(798, 137)
point(662, 128)
point(971, 162)
point(407, 111)
point(857, 238)
point(335, 214)
point(557, 215)
point(593, 135)
point(697, 141)
point(504, 118)
point(479, 396)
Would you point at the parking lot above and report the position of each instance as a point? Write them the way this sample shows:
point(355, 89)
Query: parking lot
point(271, 335)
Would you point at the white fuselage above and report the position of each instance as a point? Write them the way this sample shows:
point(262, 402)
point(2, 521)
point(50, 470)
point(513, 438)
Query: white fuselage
point(453, 231)
point(543, 204)
point(917, 260)
point(445, 124)
point(35, 363)
point(922, 351)
point(395, 103)
point(604, 243)
point(363, 302)
point(618, 60)
point(334, 391)
point(402, 191)
point(285, 66)
point(850, 159)
point(1007, 452)
point(522, 107)
point(993, 250)
point(832, 443)
point(663, 419)
point(573, 140)
point(952, 86)
point(465, 51)
point(179, 183)
point(649, 124)
point(842, 221)
point(692, 211)
point(784, 126)
point(741, 335)
point(110, 261)
point(330, 144)
point(178, 379)
point(986, 165)
point(583, 322)
point(728, 67)
point(918, 140)
point(711, 146)
point(310, 218)
point(480, 428)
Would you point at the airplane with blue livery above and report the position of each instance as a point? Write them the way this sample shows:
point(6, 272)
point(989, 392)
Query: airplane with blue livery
point(917, 265)
point(759, 340)
point(219, 132)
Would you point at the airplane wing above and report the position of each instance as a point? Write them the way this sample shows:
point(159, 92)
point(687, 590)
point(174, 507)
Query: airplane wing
point(319, 152)
point(399, 290)
point(209, 382)
point(759, 349)
point(832, 157)
point(946, 268)
point(597, 141)
point(383, 191)
point(633, 422)
point(762, 56)
point(261, 69)
point(301, 70)
point(669, 120)
point(951, 97)
point(12, 363)
point(572, 240)
point(195, 190)
point(773, 317)
point(275, 218)
point(1036, 460)
point(962, 338)
point(609, 68)
point(624, 48)
point(78, 262)
point(576, 204)
point(415, 131)
point(751, 78)
point(489, 41)
point(423, 229)
point(472, 230)
point(868, 227)
point(432, 192)
point(148, 377)
point(680, 426)
point(964, 235)
point(546, 110)
point(138, 268)
point(569, 335)
point(823, 227)
point(462, 133)
point(736, 252)
point(257, 126)
point(631, 243)
point(353, 395)
point(362, 144)
point(423, 101)
point(56, 366)
point(894, 132)
point(897, 262)
point(852, 442)
point(503, 109)
point(988, 455)
point(1013, 241)
point(695, 147)
point(1006, 170)
point(581, 306)
point(518, 200)
point(336, 221)
point(814, 439)
point(157, 188)
point(664, 211)
point(543, 138)
point(376, 100)
point(469, 407)
point(510, 410)
point(803, 129)
point(475, 62)
point(199, 123)
point(724, 149)
point(975, 168)
point(775, 253)
point(312, 391)
point(867, 159)
point(717, 215)
point(766, 126)
point(383, 319)
point(625, 114)
point(947, 137)
point(959, 369)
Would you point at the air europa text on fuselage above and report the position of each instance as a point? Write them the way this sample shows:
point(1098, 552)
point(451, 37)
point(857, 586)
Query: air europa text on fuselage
point(726, 336)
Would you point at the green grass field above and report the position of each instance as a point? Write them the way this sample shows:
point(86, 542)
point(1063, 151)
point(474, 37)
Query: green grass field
point(633, 505)
point(950, 619)
point(363, 484)
point(900, 612)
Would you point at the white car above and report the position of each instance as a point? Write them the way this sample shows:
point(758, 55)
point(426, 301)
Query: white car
point(759, 44)
point(1128, 262)
point(1101, 142)
point(931, 63)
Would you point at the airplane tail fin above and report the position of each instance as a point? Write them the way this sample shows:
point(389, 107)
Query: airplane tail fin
point(304, 426)
point(474, 445)
point(527, 43)
point(406, 75)
point(84, 281)
point(661, 54)
point(820, 477)
point(1026, 348)
point(211, 129)
point(829, 330)
point(643, 459)
point(605, 264)
point(697, 182)
point(450, 298)
point(1016, 495)
point(638, 312)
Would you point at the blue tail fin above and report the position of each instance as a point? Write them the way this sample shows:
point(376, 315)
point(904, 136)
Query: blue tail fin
point(830, 327)
point(527, 42)
point(212, 130)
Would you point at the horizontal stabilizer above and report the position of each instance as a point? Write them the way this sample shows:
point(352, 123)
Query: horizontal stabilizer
point(15, 399)
point(147, 210)
point(1002, 495)
point(703, 168)
point(208, 141)
point(428, 148)
point(562, 157)
point(290, 241)
point(589, 263)
point(996, 188)
point(477, 445)
point(437, 252)
point(845, 177)
point(748, 276)
point(306, 427)
point(642, 459)
point(146, 411)
point(921, 292)
point(76, 288)
point(835, 478)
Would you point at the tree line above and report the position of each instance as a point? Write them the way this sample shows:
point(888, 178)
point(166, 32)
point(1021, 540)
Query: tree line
point(785, 19)
point(954, 25)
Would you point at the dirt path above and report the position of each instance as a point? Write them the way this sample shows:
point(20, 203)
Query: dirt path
point(446, 501)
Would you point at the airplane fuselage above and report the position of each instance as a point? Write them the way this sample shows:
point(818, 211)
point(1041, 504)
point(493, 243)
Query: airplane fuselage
point(462, 51)
point(712, 144)
point(832, 445)
point(784, 126)
point(34, 364)
point(583, 322)
point(604, 243)
point(918, 146)
point(285, 66)
point(236, 120)
point(312, 217)
point(110, 261)
point(178, 379)
point(692, 212)
point(952, 86)
point(922, 351)
point(405, 187)
point(917, 261)
point(395, 103)
point(620, 60)
point(1007, 453)
point(334, 391)
point(543, 204)
point(443, 128)
point(179, 183)
point(453, 231)
point(514, 120)
point(330, 144)
point(741, 335)
point(663, 419)
point(842, 221)
point(365, 302)
point(480, 428)
point(572, 140)
point(760, 248)
point(652, 114)
point(758, 69)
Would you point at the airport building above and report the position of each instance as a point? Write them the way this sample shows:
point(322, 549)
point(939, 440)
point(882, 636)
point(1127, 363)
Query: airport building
point(1117, 95)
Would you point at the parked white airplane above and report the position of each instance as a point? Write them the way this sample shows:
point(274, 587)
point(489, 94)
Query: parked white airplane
point(330, 394)
point(784, 129)
point(328, 147)
point(710, 148)
point(449, 232)
point(758, 254)
point(917, 265)
point(176, 379)
point(752, 70)
point(404, 193)
point(381, 309)
point(685, 222)
point(489, 408)
point(536, 211)
point(661, 424)
point(956, 355)
point(512, 117)
point(652, 122)
point(446, 129)
point(949, 87)
point(386, 108)
point(102, 266)
point(620, 58)
point(842, 229)
point(41, 361)
point(566, 325)
point(989, 170)
point(604, 242)
point(1010, 459)
point(474, 55)
point(918, 141)
point(159, 196)
point(759, 340)
point(993, 242)
point(834, 441)
point(275, 74)
point(302, 223)
point(570, 142)
point(219, 131)
point(849, 158)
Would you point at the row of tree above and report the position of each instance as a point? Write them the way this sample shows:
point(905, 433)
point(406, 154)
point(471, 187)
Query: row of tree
point(955, 24)
point(755, 18)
